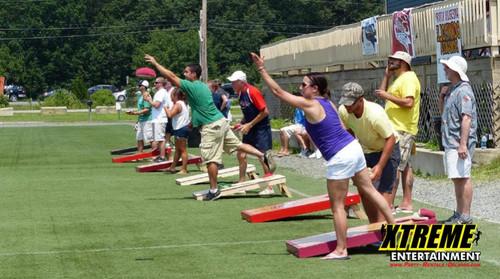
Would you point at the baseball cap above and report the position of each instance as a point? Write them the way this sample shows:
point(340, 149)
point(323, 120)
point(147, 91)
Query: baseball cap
point(144, 83)
point(457, 64)
point(351, 92)
point(401, 55)
point(238, 75)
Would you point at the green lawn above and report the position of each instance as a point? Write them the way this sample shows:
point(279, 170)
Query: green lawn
point(69, 212)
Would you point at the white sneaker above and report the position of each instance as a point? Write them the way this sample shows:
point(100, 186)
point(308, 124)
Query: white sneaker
point(266, 192)
point(318, 154)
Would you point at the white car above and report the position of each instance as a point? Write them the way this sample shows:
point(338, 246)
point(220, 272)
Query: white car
point(120, 96)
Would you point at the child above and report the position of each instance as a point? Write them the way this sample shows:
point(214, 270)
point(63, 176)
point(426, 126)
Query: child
point(180, 120)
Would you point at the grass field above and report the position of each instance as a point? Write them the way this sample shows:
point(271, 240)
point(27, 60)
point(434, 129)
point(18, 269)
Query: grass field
point(69, 212)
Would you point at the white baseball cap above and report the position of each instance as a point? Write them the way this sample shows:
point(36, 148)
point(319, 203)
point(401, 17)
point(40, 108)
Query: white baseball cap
point(144, 83)
point(401, 55)
point(238, 75)
point(457, 64)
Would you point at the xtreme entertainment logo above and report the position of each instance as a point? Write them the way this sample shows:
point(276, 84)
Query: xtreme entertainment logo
point(431, 243)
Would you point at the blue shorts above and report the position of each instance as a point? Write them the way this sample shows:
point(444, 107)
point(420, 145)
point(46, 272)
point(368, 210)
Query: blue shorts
point(260, 138)
point(386, 181)
point(182, 133)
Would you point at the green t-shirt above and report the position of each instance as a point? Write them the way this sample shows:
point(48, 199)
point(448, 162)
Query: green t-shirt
point(142, 104)
point(201, 102)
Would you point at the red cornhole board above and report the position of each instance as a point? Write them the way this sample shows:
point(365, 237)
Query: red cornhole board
point(325, 243)
point(163, 165)
point(137, 156)
point(127, 150)
point(293, 208)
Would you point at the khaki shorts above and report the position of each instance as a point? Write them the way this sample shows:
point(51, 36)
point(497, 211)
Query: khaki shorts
point(159, 129)
point(144, 131)
point(290, 130)
point(406, 145)
point(217, 137)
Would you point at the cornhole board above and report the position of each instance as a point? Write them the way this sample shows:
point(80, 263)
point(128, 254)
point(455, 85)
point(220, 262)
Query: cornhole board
point(325, 243)
point(203, 178)
point(127, 150)
point(163, 165)
point(138, 156)
point(297, 207)
point(275, 180)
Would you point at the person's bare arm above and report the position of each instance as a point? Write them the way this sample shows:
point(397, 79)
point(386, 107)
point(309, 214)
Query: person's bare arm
point(175, 80)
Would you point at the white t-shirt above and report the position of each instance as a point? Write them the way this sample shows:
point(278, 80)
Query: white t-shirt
point(158, 114)
point(182, 118)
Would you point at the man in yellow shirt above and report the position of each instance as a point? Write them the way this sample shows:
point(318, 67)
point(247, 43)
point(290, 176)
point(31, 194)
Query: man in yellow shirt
point(368, 122)
point(402, 107)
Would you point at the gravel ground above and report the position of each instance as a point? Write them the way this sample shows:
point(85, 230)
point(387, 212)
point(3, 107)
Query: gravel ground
point(439, 193)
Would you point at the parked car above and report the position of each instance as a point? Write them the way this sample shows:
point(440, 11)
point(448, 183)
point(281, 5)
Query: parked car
point(95, 88)
point(120, 96)
point(14, 92)
point(229, 89)
point(52, 92)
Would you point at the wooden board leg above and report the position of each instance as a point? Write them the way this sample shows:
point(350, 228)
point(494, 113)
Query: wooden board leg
point(252, 175)
point(357, 210)
point(284, 190)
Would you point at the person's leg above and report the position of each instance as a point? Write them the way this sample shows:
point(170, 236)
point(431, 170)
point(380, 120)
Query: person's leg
point(394, 191)
point(242, 164)
point(337, 192)
point(177, 156)
point(363, 182)
point(140, 146)
point(181, 143)
point(407, 181)
point(463, 193)
point(167, 145)
point(298, 135)
point(284, 143)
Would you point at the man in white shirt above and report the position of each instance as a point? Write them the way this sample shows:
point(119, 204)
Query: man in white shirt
point(159, 116)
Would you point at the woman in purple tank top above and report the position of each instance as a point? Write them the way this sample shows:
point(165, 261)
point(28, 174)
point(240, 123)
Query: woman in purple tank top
point(344, 156)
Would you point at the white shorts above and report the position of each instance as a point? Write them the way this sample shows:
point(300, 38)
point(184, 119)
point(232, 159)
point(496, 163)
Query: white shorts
point(456, 167)
point(289, 130)
point(347, 162)
point(144, 131)
point(159, 131)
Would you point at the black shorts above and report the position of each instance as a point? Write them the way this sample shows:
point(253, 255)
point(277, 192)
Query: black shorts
point(260, 138)
point(386, 181)
point(170, 129)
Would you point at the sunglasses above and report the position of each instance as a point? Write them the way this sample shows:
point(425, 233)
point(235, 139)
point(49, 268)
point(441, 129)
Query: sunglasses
point(304, 85)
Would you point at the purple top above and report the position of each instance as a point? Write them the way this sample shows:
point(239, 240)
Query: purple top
point(328, 134)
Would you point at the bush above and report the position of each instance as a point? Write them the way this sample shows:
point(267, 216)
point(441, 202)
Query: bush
point(63, 99)
point(131, 94)
point(79, 88)
point(4, 102)
point(103, 97)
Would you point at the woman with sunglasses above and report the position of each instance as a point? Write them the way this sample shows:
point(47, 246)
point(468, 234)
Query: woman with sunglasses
point(343, 154)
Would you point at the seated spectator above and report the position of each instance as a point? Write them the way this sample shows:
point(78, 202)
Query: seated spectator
point(298, 130)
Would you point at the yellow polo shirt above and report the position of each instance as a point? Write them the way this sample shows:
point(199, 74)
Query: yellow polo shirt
point(404, 119)
point(371, 129)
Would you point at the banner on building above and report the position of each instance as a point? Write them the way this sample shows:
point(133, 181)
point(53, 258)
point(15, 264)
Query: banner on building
point(402, 32)
point(369, 36)
point(448, 39)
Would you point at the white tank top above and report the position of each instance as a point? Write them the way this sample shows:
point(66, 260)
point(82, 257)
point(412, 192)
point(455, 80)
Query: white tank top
point(182, 118)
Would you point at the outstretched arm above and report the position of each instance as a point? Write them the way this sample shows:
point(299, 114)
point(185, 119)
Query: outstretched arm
point(164, 71)
point(295, 101)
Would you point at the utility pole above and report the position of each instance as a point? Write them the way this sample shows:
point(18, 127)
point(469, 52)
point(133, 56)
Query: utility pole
point(203, 41)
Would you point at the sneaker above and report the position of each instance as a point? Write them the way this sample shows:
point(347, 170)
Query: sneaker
point(159, 160)
point(220, 166)
point(452, 219)
point(269, 161)
point(464, 219)
point(266, 192)
point(376, 244)
point(212, 196)
point(303, 153)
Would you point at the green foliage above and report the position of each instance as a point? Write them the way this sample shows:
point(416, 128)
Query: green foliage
point(43, 49)
point(4, 101)
point(433, 144)
point(63, 99)
point(131, 95)
point(103, 97)
point(79, 88)
point(279, 123)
